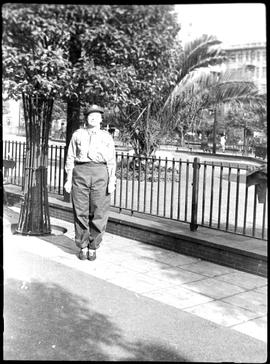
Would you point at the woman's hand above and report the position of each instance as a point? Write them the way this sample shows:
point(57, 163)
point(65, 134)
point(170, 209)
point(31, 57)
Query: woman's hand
point(68, 186)
point(111, 186)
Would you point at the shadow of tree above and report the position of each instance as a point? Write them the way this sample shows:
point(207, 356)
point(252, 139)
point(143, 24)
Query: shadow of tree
point(46, 322)
point(61, 240)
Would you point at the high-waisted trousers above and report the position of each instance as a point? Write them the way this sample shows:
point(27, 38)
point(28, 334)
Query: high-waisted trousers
point(91, 203)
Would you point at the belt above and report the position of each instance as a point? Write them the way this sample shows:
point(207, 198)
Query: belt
point(77, 163)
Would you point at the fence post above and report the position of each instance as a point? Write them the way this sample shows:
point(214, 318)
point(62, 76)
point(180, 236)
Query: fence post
point(23, 164)
point(195, 190)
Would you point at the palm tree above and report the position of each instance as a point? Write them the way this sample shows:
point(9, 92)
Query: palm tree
point(201, 52)
point(196, 55)
point(211, 86)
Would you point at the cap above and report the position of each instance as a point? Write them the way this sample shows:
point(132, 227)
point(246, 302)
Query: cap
point(94, 108)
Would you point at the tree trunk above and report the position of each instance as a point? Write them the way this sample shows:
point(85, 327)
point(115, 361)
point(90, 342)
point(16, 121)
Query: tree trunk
point(73, 106)
point(73, 123)
point(34, 216)
point(147, 136)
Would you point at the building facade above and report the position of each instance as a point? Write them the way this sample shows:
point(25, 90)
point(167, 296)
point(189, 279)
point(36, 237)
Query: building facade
point(251, 57)
point(12, 118)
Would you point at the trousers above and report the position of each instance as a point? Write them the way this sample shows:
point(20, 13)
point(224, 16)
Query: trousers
point(91, 203)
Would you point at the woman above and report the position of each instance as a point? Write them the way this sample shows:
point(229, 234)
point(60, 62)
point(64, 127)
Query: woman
point(90, 168)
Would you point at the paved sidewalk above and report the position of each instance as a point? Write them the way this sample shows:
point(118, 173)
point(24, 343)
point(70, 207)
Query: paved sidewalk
point(233, 301)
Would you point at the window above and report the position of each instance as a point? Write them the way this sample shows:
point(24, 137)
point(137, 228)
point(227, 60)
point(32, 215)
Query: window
point(6, 107)
point(233, 57)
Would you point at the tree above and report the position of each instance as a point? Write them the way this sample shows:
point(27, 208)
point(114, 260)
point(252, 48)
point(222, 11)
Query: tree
point(153, 55)
point(81, 54)
point(183, 104)
point(111, 55)
point(59, 110)
point(33, 65)
point(189, 117)
point(129, 62)
point(250, 118)
point(213, 89)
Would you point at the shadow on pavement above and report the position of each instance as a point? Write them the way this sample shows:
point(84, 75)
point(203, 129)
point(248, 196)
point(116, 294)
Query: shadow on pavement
point(45, 322)
point(61, 240)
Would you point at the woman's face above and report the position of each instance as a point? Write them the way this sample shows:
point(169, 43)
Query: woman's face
point(94, 119)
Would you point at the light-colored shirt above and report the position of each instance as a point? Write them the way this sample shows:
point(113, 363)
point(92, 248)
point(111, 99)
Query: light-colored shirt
point(91, 145)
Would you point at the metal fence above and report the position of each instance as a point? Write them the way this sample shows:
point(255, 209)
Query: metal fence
point(16, 151)
point(209, 194)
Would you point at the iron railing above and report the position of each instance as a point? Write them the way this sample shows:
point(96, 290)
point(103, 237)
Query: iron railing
point(55, 172)
point(209, 194)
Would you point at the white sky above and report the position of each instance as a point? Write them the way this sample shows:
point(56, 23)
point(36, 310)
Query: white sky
point(234, 23)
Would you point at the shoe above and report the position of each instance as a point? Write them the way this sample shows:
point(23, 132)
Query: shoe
point(83, 254)
point(92, 255)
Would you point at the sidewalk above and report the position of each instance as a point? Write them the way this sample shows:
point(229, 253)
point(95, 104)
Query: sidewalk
point(135, 302)
point(231, 250)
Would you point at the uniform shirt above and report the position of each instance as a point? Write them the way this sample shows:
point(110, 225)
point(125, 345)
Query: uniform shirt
point(91, 145)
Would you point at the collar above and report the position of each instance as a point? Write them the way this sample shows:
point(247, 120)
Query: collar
point(92, 131)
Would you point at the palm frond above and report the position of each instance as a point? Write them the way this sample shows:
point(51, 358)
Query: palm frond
point(233, 84)
point(197, 52)
point(253, 100)
point(199, 81)
point(200, 42)
point(197, 55)
point(192, 83)
point(208, 61)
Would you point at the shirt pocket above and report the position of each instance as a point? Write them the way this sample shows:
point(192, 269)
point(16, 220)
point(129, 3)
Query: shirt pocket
point(82, 148)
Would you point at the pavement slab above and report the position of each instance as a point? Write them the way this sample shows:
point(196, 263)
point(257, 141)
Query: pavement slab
point(243, 279)
point(222, 313)
point(213, 288)
point(208, 269)
point(255, 328)
point(137, 282)
point(263, 289)
point(180, 297)
point(251, 300)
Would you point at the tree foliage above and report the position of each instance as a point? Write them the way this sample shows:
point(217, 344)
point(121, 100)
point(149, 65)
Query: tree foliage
point(125, 50)
point(199, 53)
point(247, 116)
point(34, 60)
point(124, 57)
point(113, 55)
point(206, 88)
point(184, 104)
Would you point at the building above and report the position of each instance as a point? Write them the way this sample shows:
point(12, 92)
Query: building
point(252, 58)
point(12, 118)
point(13, 121)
